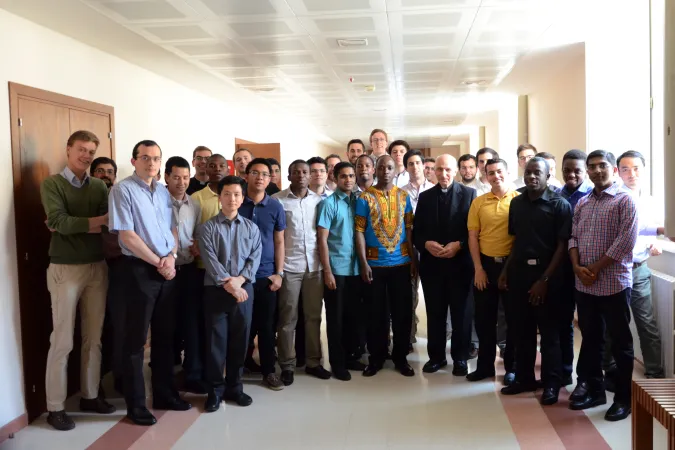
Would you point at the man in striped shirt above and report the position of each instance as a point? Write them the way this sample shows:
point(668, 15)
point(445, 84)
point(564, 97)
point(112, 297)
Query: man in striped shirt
point(604, 232)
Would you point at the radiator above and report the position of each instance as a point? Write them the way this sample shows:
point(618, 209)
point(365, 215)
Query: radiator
point(663, 299)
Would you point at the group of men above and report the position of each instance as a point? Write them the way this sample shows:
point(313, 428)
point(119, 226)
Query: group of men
point(211, 262)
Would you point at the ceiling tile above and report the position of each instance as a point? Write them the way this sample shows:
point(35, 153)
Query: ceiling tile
point(438, 3)
point(239, 7)
point(352, 24)
point(361, 69)
point(326, 6)
point(435, 66)
point(246, 72)
point(426, 54)
point(179, 32)
point(429, 40)
point(203, 49)
point(253, 29)
point(423, 76)
point(144, 10)
point(277, 45)
point(222, 63)
point(303, 71)
point(288, 59)
point(432, 20)
point(372, 42)
point(358, 57)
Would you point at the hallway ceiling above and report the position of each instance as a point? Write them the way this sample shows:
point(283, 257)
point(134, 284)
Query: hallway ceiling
point(424, 61)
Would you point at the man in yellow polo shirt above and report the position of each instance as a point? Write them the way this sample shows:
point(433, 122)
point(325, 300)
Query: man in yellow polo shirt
point(207, 198)
point(490, 245)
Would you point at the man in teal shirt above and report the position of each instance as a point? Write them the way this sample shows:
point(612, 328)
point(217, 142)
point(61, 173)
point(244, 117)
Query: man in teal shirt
point(342, 290)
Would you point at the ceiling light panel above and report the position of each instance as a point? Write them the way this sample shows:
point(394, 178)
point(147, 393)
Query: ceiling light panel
point(240, 7)
point(203, 49)
point(178, 32)
point(432, 20)
point(266, 28)
point(144, 10)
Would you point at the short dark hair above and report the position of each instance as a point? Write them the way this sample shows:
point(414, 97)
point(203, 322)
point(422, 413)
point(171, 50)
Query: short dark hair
point(341, 165)
point(295, 163)
point(332, 155)
point(371, 157)
point(102, 160)
point(273, 162)
point(489, 150)
point(264, 161)
point(176, 161)
point(317, 160)
point(540, 159)
point(356, 141)
point(231, 180)
point(575, 154)
point(145, 143)
point(492, 161)
point(84, 136)
point(430, 159)
point(409, 154)
point(398, 142)
point(216, 155)
point(608, 156)
point(467, 157)
point(242, 149)
point(546, 155)
point(631, 154)
point(200, 148)
point(523, 147)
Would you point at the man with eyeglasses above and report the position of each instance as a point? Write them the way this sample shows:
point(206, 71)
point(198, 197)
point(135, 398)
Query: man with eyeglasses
point(378, 142)
point(200, 157)
point(525, 153)
point(268, 214)
point(318, 175)
point(141, 214)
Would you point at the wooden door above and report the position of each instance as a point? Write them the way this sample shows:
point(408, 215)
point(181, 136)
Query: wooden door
point(41, 125)
point(264, 151)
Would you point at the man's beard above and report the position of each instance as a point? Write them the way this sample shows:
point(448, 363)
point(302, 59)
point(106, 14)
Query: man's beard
point(468, 180)
point(108, 182)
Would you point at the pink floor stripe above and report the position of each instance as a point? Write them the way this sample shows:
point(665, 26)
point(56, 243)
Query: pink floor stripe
point(122, 435)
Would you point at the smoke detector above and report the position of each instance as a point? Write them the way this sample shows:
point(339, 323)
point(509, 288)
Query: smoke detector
point(352, 42)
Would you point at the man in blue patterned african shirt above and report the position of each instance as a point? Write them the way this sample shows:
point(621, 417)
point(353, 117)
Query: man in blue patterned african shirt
point(383, 223)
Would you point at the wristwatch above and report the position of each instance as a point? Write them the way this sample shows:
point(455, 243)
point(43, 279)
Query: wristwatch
point(281, 274)
point(175, 255)
point(544, 278)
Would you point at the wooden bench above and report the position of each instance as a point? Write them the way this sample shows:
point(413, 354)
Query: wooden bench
point(652, 399)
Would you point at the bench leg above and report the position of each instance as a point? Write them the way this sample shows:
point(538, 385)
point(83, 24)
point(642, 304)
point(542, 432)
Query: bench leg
point(643, 429)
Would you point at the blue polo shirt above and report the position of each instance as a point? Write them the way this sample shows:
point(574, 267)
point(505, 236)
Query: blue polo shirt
point(574, 197)
point(336, 214)
point(269, 215)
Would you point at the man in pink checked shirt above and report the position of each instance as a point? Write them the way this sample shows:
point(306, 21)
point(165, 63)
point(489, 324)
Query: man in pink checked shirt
point(604, 232)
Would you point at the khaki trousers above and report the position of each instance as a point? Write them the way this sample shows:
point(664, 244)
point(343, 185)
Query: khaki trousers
point(71, 285)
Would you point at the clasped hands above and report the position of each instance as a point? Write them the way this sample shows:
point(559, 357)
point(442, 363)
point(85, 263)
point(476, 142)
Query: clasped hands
point(167, 267)
point(439, 251)
point(233, 285)
point(586, 274)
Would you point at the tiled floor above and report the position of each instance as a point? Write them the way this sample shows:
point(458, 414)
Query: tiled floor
point(388, 411)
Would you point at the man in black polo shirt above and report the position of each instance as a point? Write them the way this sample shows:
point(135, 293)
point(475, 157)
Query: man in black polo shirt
point(540, 220)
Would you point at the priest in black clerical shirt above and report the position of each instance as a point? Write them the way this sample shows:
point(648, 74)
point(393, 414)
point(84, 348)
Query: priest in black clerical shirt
point(440, 235)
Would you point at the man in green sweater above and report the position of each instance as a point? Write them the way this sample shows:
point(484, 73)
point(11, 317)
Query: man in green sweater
point(76, 207)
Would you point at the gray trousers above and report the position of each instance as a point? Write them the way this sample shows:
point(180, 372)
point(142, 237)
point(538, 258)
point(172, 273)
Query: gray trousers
point(648, 331)
point(310, 284)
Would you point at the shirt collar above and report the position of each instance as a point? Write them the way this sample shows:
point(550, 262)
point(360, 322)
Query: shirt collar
point(342, 195)
point(612, 190)
point(185, 200)
point(289, 194)
point(263, 202)
point(70, 176)
point(222, 219)
point(584, 188)
point(140, 182)
point(509, 191)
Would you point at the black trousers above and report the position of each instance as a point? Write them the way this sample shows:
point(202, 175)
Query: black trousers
point(566, 306)
point(443, 291)
point(487, 303)
point(190, 319)
point(528, 319)
point(228, 324)
point(112, 338)
point(150, 301)
point(342, 317)
point(595, 313)
point(263, 324)
point(389, 291)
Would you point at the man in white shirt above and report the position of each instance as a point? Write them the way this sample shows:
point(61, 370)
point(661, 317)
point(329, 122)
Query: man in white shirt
point(397, 150)
point(331, 161)
point(430, 170)
point(378, 142)
point(483, 156)
point(302, 274)
point(650, 225)
point(318, 176)
point(550, 159)
point(525, 153)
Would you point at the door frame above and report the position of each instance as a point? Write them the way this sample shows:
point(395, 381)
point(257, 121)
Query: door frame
point(17, 92)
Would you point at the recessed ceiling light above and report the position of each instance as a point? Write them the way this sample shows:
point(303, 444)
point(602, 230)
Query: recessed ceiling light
point(380, 109)
point(474, 82)
point(262, 89)
point(352, 42)
point(369, 88)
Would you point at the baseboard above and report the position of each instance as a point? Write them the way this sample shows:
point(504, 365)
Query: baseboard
point(13, 427)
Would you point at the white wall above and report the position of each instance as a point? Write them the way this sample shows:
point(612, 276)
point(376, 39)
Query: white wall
point(557, 112)
point(146, 107)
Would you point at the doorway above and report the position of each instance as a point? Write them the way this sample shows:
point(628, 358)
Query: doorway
point(41, 122)
point(260, 150)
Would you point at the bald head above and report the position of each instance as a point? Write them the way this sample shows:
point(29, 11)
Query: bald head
point(446, 169)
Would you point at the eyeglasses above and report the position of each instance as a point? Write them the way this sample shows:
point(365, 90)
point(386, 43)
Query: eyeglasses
point(525, 158)
point(255, 173)
point(146, 158)
point(101, 171)
point(201, 158)
point(379, 140)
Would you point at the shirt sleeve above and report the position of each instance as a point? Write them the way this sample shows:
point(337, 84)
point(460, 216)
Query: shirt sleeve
point(197, 211)
point(325, 215)
point(473, 223)
point(513, 211)
point(628, 230)
point(280, 223)
point(574, 242)
point(362, 214)
point(120, 211)
point(58, 217)
point(649, 217)
point(253, 260)
point(207, 236)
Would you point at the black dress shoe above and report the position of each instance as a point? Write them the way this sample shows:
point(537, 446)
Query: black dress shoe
point(356, 365)
point(405, 369)
point(342, 374)
point(318, 372)
point(239, 398)
point(60, 420)
point(287, 377)
point(212, 402)
point(141, 416)
point(549, 397)
point(509, 378)
point(171, 404)
point(517, 387)
point(97, 405)
point(618, 411)
point(371, 370)
point(478, 375)
point(459, 368)
point(591, 400)
point(434, 366)
point(579, 392)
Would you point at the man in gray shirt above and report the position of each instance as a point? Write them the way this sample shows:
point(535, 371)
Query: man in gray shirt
point(230, 246)
point(140, 212)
